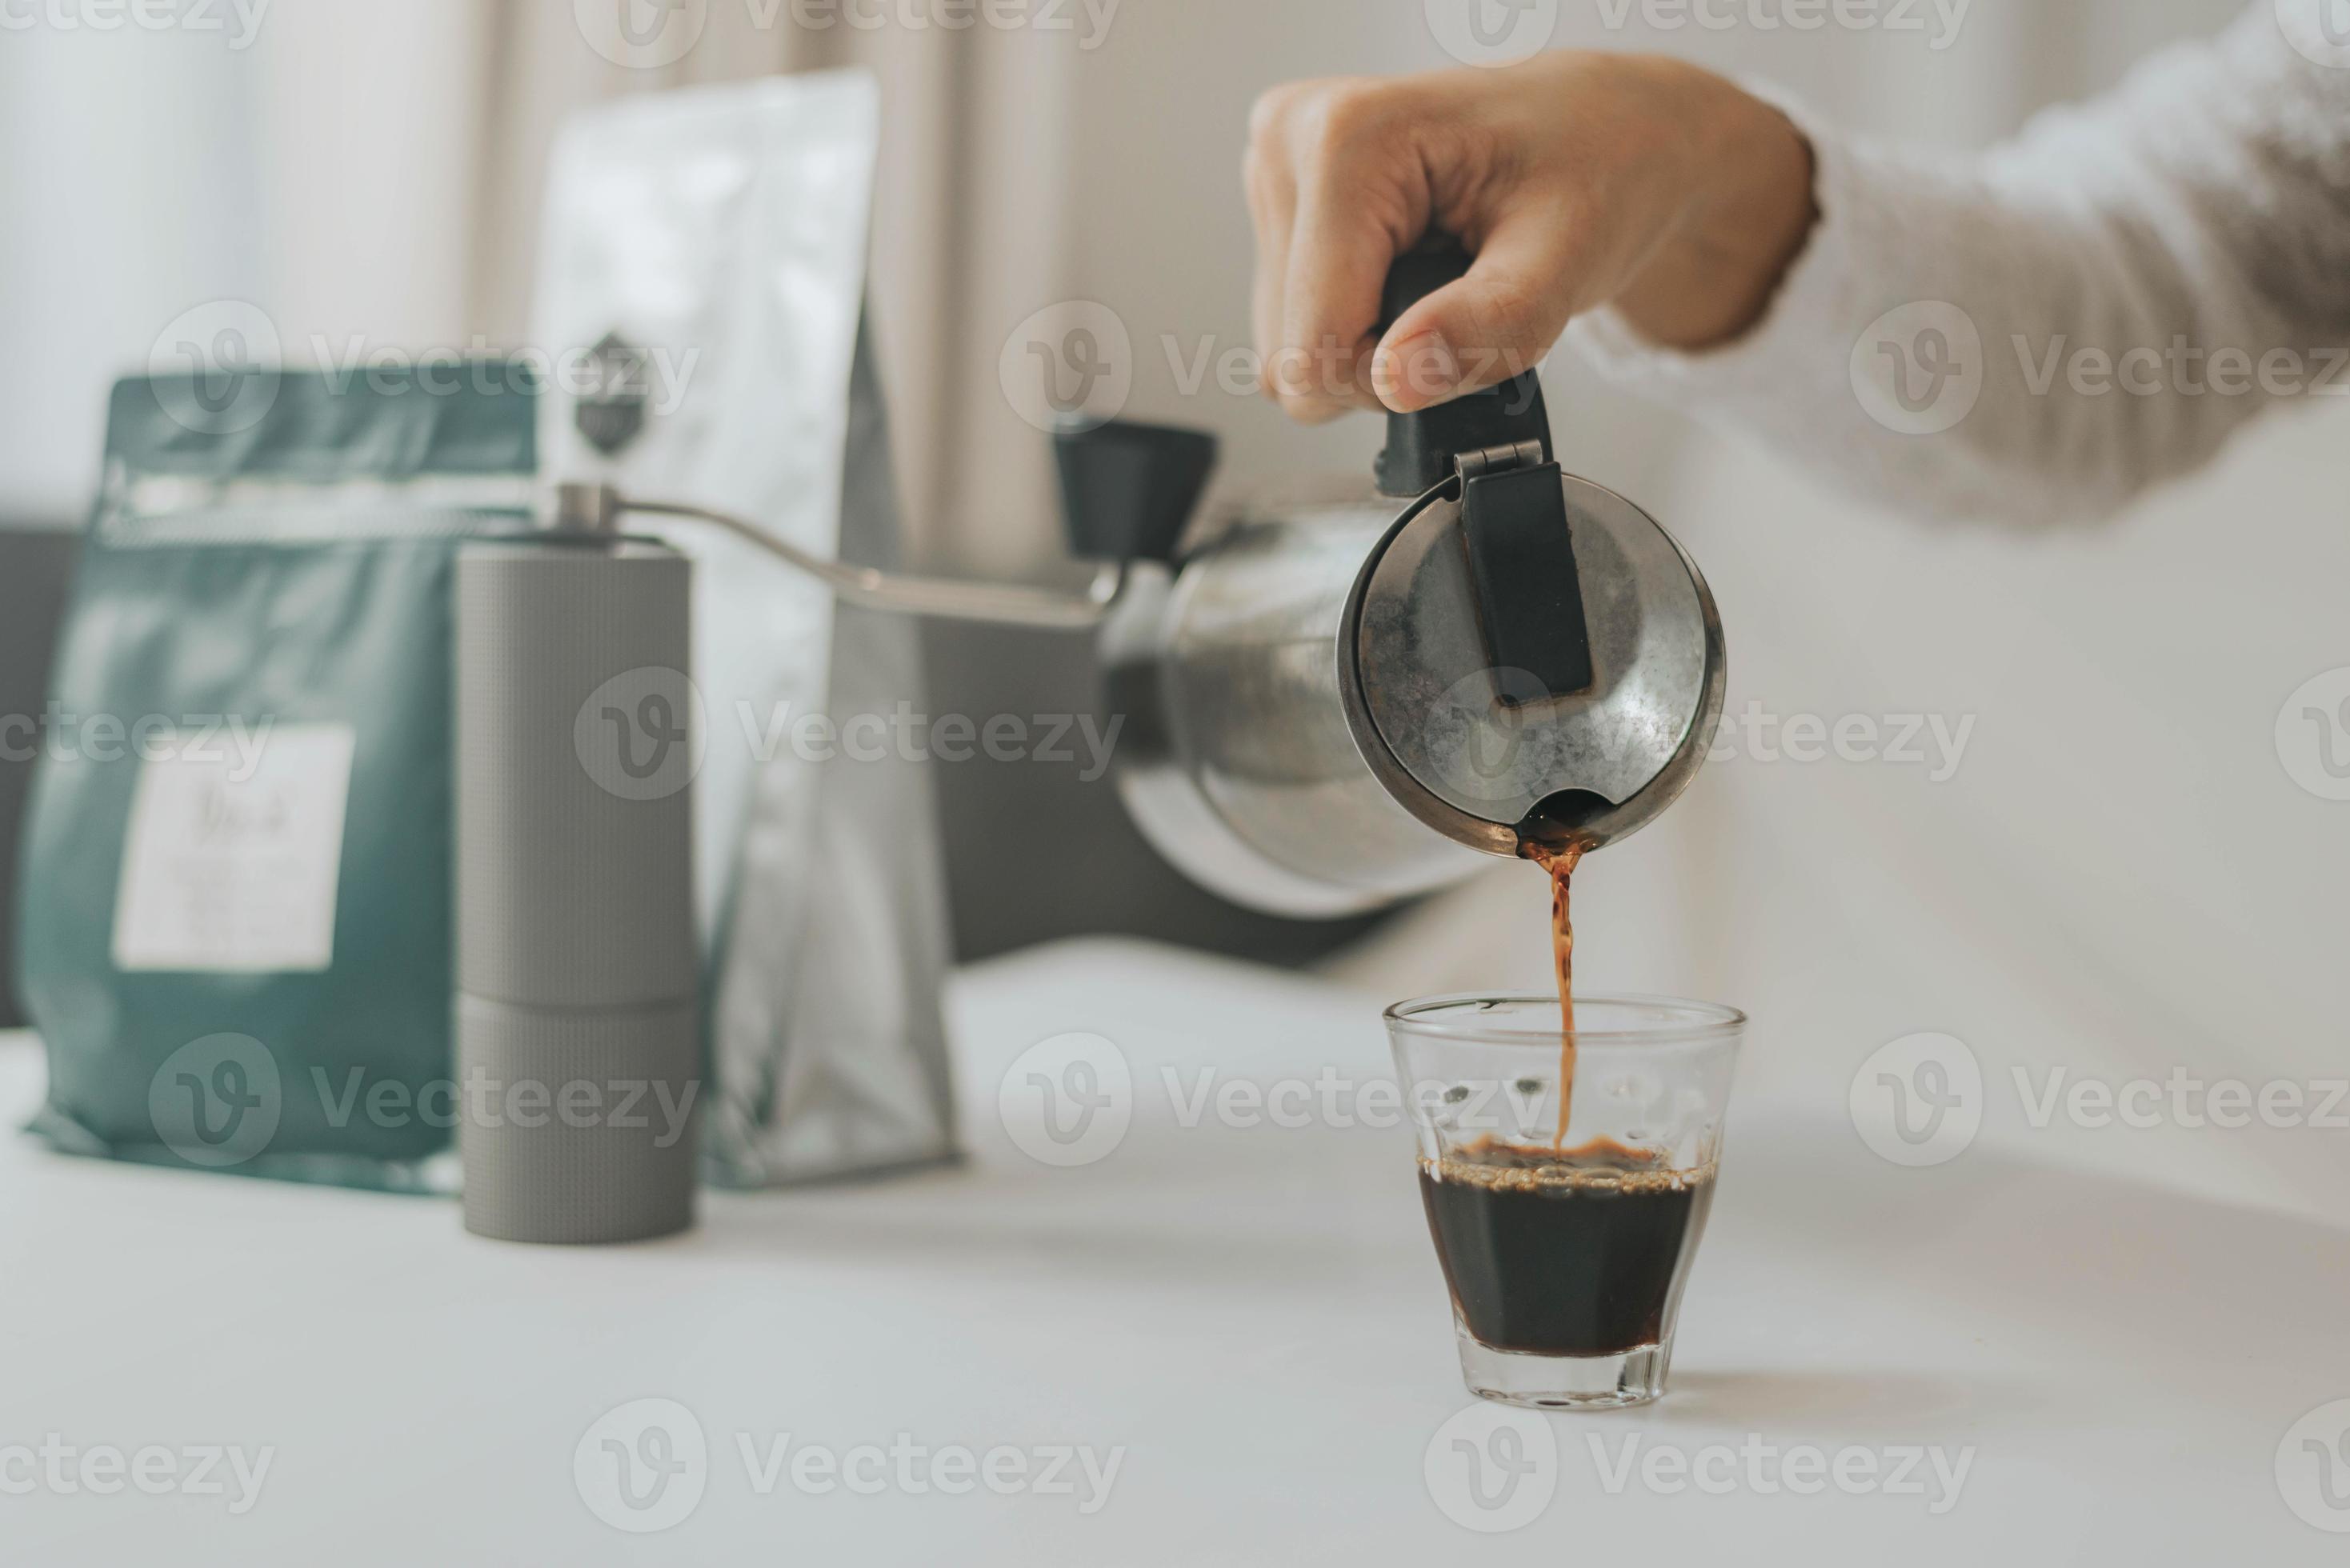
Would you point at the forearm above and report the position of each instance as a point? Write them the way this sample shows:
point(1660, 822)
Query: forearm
point(2038, 333)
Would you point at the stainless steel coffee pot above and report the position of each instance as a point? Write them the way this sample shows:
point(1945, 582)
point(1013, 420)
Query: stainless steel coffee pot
point(1336, 702)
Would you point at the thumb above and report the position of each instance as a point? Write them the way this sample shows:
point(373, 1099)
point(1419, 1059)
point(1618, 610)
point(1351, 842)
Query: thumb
point(1493, 324)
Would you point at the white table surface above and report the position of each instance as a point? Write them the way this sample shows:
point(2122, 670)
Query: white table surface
point(1252, 1313)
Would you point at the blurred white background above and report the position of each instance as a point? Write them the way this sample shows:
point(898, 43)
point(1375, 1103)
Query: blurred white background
point(2119, 877)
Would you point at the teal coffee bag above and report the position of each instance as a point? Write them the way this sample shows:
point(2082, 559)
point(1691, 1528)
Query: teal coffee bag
point(234, 917)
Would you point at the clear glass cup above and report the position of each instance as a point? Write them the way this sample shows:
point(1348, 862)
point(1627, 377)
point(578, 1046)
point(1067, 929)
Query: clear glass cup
point(1567, 1251)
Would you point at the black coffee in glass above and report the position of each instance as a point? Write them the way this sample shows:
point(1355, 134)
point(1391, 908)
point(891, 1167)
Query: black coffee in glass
point(1577, 1252)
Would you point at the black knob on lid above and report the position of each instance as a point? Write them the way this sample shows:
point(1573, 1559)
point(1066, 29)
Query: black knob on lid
point(1128, 490)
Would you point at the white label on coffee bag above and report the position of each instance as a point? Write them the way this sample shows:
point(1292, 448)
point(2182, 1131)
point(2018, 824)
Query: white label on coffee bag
point(235, 852)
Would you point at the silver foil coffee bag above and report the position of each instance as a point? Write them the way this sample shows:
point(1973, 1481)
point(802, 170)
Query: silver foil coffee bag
point(702, 289)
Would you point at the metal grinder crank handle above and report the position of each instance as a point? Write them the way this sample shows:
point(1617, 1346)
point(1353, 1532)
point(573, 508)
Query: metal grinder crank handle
point(594, 511)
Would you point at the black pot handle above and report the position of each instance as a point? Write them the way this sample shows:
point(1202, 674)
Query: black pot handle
point(1421, 447)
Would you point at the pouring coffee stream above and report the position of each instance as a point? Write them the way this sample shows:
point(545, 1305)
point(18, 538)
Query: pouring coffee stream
point(1560, 863)
point(1334, 703)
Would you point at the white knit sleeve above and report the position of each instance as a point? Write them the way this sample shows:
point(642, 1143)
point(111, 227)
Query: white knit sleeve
point(2038, 332)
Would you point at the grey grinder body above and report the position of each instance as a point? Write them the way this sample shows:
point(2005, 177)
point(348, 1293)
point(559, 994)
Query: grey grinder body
point(578, 1049)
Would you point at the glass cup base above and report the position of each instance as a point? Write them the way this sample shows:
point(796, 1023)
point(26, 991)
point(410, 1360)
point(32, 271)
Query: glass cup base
point(1634, 1378)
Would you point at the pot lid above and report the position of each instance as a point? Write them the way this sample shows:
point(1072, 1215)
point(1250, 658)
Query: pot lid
point(1539, 659)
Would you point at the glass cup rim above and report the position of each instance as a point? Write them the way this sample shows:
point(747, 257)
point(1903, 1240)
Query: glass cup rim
point(1712, 1020)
